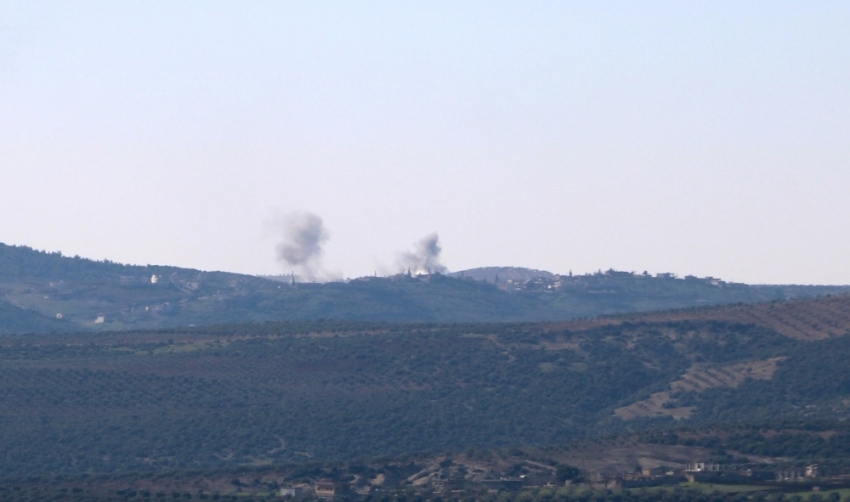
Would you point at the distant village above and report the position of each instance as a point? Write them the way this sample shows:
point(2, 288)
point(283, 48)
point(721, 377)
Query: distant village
point(514, 279)
point(557, 282)
point(448, 477)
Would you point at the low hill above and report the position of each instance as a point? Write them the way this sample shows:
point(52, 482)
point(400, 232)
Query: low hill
point(42, 291)
point(498, 275)
point(271, 393)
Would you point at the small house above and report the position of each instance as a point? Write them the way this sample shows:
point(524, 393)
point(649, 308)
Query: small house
point(812, 471)
point(327, 489)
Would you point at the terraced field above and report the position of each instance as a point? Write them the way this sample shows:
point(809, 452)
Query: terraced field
point(803, 319)
point(698, 378)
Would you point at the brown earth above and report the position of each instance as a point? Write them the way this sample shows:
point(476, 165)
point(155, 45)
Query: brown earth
point(699, 377)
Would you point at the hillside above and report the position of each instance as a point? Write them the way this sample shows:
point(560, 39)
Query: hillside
point(211, 397)
point(805, 319)
point(14, 319)
point(756, 455)
point(48, 292)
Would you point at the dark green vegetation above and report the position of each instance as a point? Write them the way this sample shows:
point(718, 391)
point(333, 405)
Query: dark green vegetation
point(475, 475)
point(288, 392)
point(48, 292)
point(14, 319)
point(826, 442)
point(670, 494)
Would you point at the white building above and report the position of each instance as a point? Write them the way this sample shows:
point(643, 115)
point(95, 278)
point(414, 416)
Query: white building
point(703, 467)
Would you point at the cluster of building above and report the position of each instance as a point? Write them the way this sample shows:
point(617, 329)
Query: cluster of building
point(447, 479)
point(708, 472)
point(556, 282)
point(325, 488)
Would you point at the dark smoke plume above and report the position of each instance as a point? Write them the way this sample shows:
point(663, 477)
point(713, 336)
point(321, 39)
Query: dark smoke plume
point(301, 244)
point(425, 258)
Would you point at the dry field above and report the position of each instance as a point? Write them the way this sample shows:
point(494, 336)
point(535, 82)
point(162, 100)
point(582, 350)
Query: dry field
point(698, 378)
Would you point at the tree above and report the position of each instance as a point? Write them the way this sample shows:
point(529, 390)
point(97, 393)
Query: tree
point(565, 472)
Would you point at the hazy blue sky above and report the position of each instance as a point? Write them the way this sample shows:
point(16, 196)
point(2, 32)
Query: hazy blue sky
point(705, 138)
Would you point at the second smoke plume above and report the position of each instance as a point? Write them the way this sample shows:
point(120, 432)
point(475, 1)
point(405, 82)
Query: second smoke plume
point(425, 258)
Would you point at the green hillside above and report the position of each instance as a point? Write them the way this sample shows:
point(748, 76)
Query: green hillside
point(15, 319)
point(289, 392)
point(42, 291)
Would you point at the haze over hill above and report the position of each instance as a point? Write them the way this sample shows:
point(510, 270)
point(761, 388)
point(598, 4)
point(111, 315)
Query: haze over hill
point(42, 291)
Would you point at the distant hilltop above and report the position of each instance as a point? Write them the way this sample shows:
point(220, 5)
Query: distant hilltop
point(503, 274)
point(44, 292)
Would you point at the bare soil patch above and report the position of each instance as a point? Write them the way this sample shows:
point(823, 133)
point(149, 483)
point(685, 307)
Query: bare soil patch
point(699, 377)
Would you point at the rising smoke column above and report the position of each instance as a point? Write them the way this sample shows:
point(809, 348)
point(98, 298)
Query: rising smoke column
point(425, 258)
point(300, 248)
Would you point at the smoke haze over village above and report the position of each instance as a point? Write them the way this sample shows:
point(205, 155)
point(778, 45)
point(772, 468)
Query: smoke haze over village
point(425, 258)
point(302, 237)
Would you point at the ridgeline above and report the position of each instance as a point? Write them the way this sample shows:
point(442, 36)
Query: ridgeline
point(48, 292)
